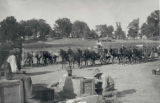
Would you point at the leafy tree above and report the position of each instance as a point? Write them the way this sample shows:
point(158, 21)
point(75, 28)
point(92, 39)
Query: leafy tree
point(133, 28)
point(44, 29)
point(119, 33)
point(26, 28)
point(104, 31)
point(36, 28)
point(63, 27)
point(152, 26)
point(101, 30)
point(110, 30)
point(9, 29)
point(80, 29)
point(52, 33)
point(93, 34)
point(145, 30)
point(10, 38)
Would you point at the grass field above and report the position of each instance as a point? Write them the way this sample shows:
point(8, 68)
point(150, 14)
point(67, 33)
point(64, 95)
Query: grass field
point(56, 45)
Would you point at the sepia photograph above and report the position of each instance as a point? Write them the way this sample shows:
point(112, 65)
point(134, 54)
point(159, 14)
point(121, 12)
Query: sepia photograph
point(79, 51)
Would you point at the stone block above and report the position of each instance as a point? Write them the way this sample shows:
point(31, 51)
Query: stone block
point(11, 91)
point(83, 87)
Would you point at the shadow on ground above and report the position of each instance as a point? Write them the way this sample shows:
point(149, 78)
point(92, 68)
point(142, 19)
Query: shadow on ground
point(88, 66)
point(125, 92)
point(42, 93)
point(38, 73)
point(47, 95)
point(36, 65)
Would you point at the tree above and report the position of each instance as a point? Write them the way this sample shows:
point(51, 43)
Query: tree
point(152, 26)
point(145, 30)
point(52, 34)
point(101, 30)
point(110, 30)
point(63, 27)
point(36, 28)
point(64, 56)
point(104, 30)
point(80, 29)
point(93, 34)
point(9, 29)
point(44, 29)
point(10, 38)
point(119, 33)
point(133, 28)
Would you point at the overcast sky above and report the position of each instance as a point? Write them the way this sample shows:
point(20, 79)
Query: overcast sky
point(93, 12)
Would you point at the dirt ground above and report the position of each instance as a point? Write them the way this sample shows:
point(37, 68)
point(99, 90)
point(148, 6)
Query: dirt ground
point(135, 83)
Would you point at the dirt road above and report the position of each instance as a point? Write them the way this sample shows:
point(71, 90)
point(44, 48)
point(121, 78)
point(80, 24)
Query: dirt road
point(135, 83)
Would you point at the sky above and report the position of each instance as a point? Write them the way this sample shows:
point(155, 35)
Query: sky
point(93, 12)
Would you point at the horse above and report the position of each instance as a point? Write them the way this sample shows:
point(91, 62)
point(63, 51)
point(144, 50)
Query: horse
point(115, 54)
point(29, 58)
point(64, 56)
point(38, 57)
point(137, 55)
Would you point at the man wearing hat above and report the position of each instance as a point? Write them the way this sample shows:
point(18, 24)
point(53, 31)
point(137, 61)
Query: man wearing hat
point(103, 83)
point(98, 81)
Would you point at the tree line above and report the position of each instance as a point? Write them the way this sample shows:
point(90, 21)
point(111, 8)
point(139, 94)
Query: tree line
point(11, 29)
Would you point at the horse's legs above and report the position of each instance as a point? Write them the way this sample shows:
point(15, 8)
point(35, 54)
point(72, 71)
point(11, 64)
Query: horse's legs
point(25, 61)
point(85, 62)
point(113, 59)
point(31, 61)
point(119, 59)
point(37, 60)
point(73, 63)
point(109, 60)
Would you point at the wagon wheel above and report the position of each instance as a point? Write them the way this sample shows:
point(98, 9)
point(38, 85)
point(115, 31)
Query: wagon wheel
point(103, 60)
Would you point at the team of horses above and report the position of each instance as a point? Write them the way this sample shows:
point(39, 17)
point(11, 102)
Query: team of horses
point(41, 57)
point(87, 57)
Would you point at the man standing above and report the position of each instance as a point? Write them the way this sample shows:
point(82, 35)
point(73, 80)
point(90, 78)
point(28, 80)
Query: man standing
point(98, 82)
point(103, 83)
point(17, 74)
point(99, 44)
point(13, 63)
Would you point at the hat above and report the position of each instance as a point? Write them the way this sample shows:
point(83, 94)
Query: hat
point(97, 73)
